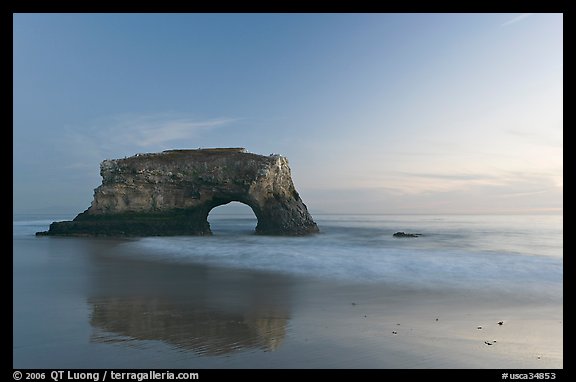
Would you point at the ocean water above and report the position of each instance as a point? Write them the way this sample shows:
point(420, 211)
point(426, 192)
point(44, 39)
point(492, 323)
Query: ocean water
point(94, 302)
point(490, 252)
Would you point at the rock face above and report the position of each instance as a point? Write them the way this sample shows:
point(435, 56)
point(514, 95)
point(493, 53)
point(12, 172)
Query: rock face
point(172, 193)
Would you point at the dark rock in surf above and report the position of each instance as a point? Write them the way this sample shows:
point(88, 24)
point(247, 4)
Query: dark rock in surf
point(404, 234)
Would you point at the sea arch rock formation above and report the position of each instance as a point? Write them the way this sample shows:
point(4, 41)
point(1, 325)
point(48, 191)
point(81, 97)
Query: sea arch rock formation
point(172, 193)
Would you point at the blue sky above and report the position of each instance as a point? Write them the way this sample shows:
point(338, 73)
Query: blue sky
point(377, 113)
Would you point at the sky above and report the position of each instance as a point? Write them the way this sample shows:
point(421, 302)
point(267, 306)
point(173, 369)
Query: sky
point(376, 113)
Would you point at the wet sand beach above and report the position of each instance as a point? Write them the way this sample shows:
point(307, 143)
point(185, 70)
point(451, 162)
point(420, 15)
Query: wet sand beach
point(80, 303)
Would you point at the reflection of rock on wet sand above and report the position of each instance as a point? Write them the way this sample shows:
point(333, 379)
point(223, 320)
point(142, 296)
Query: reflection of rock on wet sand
point(207, 310)
point(185, 326)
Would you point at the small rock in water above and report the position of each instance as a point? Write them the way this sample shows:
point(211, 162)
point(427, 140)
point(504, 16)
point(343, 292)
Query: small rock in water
point(404, 234)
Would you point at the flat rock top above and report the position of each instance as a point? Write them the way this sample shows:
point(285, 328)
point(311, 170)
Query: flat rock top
point(234, 161)
point(215, 150)
point(196, 155)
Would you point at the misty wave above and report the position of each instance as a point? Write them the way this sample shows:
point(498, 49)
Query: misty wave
point(487, 253)
point(344, 256)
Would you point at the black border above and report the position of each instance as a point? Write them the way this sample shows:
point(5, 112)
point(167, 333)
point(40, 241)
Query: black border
point(413, 6)
point(285, 6)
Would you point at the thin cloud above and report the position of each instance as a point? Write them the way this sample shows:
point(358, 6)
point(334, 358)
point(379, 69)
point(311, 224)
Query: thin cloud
point(439, 183)
point(128, 134)
point(516, 19)
point(499, 178)
point(146, 130)
point(528, 193)
point(515, 193)
point(553, 136)
point(443, 176)
point(160, 129)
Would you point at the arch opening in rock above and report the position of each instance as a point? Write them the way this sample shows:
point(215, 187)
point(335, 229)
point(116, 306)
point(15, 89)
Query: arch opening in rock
point(232, 218)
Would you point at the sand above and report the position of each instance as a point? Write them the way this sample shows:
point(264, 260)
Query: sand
point(78, 304)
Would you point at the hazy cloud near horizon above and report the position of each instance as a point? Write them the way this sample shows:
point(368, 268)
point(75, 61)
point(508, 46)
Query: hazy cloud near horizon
point(377, 113)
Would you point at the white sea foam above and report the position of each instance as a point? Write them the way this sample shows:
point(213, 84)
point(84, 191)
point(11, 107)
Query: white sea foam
point(473, 253)
point(480, 252)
